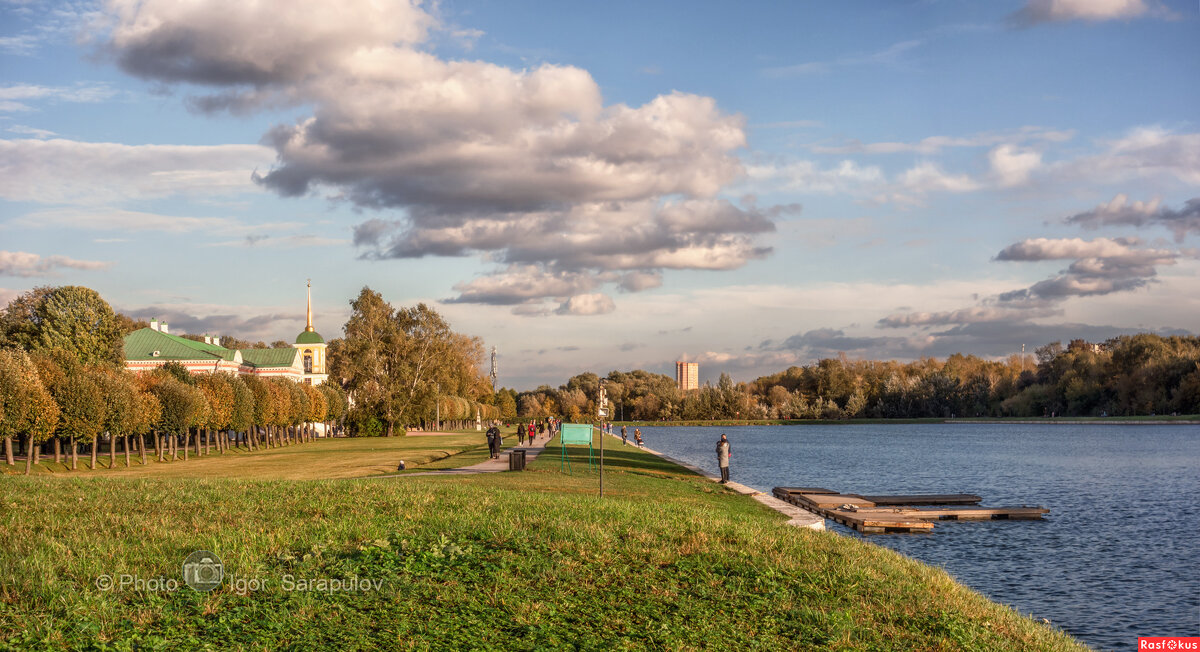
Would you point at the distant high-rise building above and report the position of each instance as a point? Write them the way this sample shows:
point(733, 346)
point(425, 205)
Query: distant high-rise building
point(687, 375)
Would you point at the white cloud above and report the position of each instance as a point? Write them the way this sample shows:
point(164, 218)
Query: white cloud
point(935, 144)
point(16, 97)
point(808, 177)
point(889, 56)
point(587, 304)
point(24, 264)
point(1012, 166)
point(525, 167)
point(25, 130)
point(67, 171)
point(927, 177)
point(1044, 11)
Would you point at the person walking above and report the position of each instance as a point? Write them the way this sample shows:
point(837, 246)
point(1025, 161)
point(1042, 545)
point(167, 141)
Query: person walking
point(723, 458)
point(493, 441)
point(520, 434)
point(624, 436)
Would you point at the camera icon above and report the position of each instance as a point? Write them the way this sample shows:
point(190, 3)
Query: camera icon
point(203, 571)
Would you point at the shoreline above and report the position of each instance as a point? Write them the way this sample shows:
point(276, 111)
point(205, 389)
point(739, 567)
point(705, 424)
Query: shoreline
point(796, 516)
point(1186, 420)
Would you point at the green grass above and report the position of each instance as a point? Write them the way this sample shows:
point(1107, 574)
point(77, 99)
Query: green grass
point(531, 560)
point(321, 458)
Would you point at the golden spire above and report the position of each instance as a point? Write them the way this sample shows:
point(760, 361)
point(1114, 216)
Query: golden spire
point(309, 327)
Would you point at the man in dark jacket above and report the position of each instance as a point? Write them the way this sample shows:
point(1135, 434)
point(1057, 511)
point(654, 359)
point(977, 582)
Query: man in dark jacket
point(723, 458)
point(493, 440)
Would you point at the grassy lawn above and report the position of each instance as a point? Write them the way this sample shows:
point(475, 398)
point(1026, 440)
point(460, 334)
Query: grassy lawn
point(321, 458)
point(1164, 418)
point(530, 560)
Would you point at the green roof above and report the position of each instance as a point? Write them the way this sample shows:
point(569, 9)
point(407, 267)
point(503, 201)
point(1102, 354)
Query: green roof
point(270, 357)
point(144, 342)
point(309, 337)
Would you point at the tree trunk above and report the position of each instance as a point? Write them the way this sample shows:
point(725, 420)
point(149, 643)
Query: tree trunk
point(8, 453)
point(187, 443)
point(29, 455)
point(112, 451)
point(207, 441)
point(173, 443)
point(142, 447)
point(197, 442)
point(125, 446)
point(57, 450)
point(389, 430)
point(74, 454)
point(95, 446)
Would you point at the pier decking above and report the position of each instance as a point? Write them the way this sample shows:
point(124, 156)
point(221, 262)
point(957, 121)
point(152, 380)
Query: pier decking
point(904, 513)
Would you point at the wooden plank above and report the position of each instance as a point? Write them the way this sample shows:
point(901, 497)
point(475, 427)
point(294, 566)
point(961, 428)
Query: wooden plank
point(923, 499)
point(959, 513)
point(833, 501)
point(804, 490)
point(865, 522)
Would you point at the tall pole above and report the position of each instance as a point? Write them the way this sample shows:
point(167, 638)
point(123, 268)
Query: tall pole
point(600, 412)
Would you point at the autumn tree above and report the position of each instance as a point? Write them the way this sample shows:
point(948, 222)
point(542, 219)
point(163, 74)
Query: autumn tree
point(26, 406)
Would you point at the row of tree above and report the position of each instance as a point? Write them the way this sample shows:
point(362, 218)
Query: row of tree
point(50, 403)
point(1139, 374)
point(406, 367)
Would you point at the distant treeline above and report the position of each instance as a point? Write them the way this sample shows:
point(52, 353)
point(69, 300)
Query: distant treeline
point(1126, 376)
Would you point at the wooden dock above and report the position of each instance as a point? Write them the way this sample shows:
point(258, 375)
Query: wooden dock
point(905, 513)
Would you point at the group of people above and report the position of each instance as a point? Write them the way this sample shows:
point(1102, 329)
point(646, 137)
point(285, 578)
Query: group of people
point(637, 436)
point(527, 433)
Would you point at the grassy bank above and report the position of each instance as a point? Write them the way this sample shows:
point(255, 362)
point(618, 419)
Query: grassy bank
point(528, 560)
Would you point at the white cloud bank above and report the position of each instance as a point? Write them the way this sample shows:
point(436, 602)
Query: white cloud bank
point(526, 167)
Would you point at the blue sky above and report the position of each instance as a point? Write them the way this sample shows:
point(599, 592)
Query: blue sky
point(616, 185)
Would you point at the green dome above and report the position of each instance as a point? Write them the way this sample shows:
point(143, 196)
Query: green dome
point(309, 337)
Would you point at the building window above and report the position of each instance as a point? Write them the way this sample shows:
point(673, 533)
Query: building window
point(308, 381)
point(308, 362)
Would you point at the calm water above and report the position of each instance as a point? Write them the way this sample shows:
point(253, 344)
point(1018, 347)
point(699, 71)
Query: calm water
point(1116, 557)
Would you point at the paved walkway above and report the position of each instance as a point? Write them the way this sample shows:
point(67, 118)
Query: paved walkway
point(797, 516)
point(486, 466)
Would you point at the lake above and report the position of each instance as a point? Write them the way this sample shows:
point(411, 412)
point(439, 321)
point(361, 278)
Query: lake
point(1117, 557)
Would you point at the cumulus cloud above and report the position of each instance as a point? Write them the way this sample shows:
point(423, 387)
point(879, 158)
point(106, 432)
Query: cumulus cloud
point(1012, 166)
point(1143, 152)
point(524, 167)
point(596, 303)
point(72, 172)
point(1046, 11)
point(1098, 267)
point(1122, 212)
point(24, 264)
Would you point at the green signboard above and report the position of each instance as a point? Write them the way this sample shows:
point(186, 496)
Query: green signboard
point(575, 433)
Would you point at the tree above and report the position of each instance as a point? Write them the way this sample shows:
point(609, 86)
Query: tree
point(507, 402)
point(26, 406)
point(241, 417)
point(81, 399)
point(121, 414)
point(72, 318)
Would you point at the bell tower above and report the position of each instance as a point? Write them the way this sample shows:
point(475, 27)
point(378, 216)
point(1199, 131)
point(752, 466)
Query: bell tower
point(312, 348)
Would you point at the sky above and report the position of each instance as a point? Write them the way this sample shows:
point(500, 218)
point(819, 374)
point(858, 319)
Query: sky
point(619, 185)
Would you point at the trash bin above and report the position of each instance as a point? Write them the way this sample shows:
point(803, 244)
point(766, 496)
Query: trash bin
point(516, 459)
